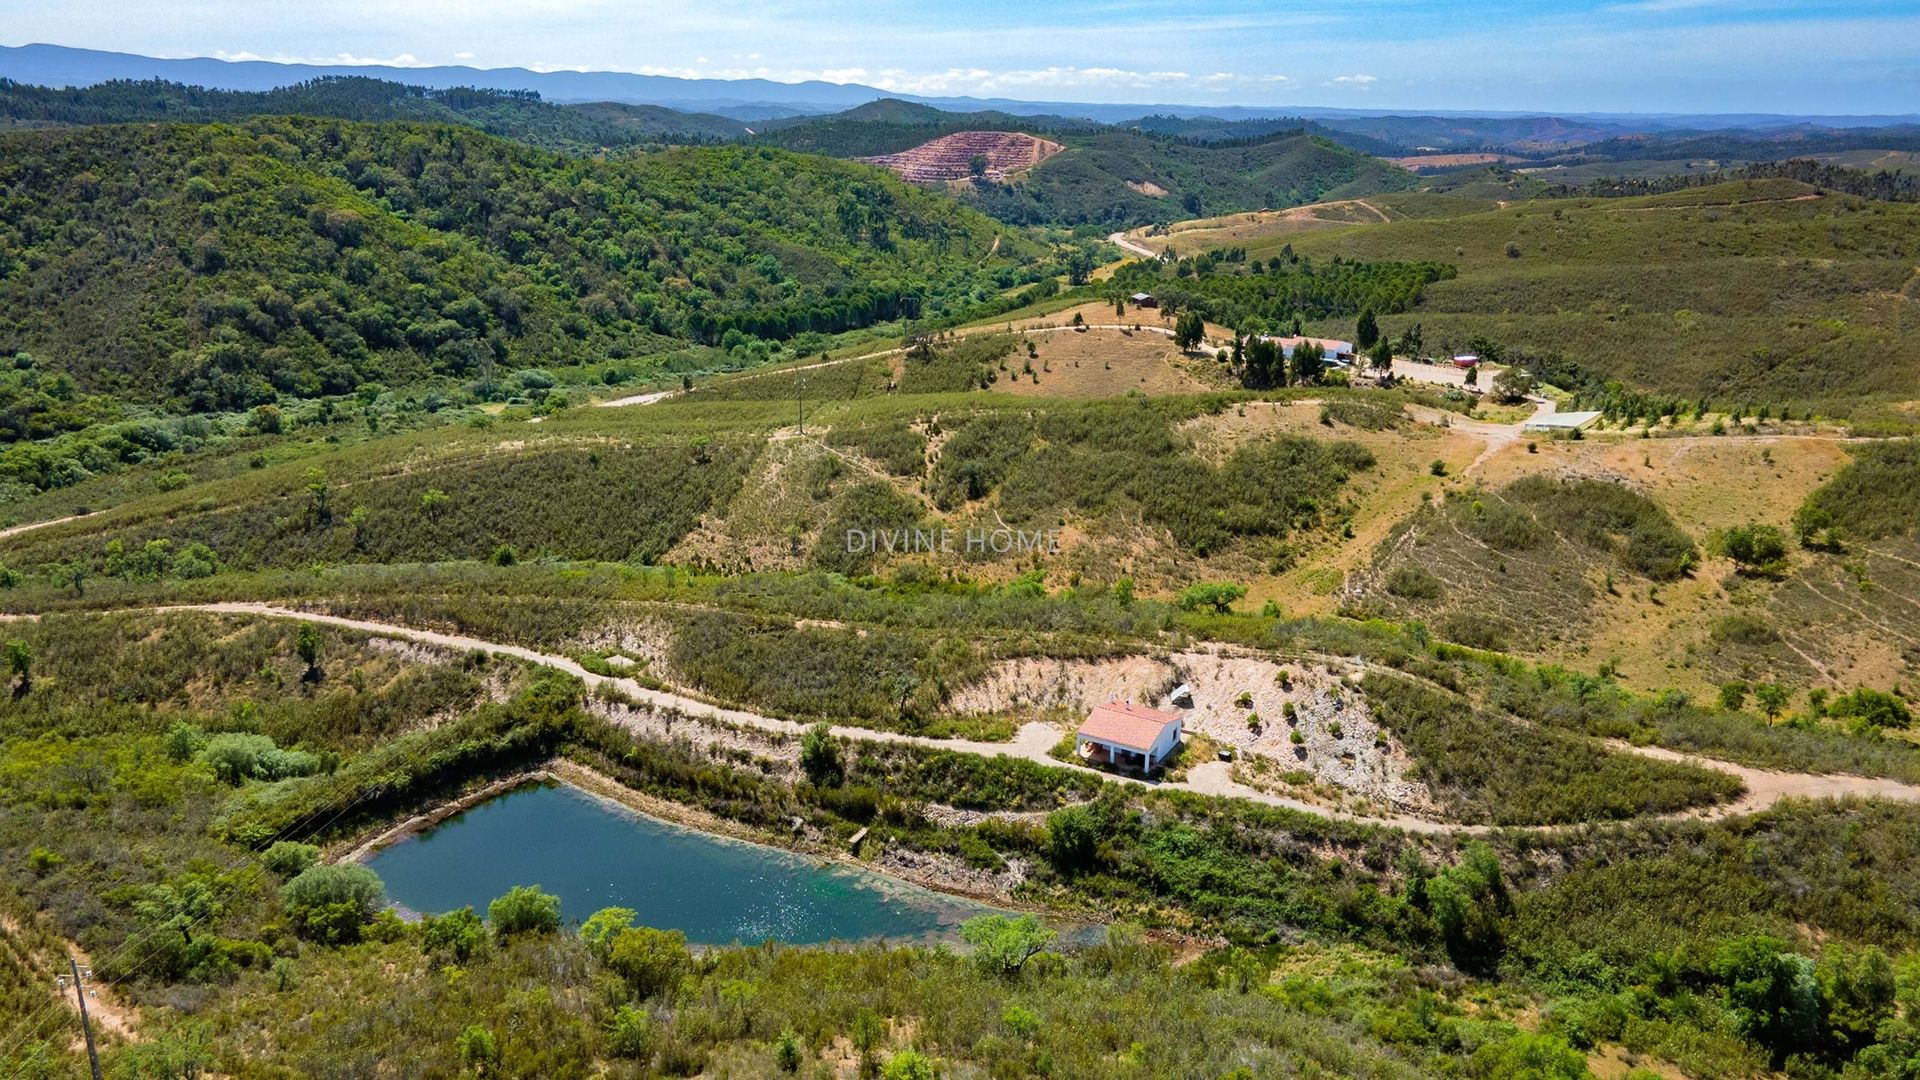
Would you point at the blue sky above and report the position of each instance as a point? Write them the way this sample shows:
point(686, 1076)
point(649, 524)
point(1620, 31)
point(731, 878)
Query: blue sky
point(1859, 56)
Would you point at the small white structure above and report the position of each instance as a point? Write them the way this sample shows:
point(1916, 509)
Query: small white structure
point(1182, 696)
point(1127, 736)
point(1560, 422)
point(1332, 349)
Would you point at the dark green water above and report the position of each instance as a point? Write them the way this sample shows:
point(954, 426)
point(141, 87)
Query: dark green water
point(593, 854)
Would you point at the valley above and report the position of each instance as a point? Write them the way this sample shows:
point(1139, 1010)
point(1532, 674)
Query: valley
point(498, 587)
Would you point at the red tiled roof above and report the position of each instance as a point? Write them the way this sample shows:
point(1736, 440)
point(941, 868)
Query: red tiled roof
point(1135, 727)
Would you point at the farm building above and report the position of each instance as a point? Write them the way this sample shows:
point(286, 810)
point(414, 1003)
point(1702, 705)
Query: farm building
point(1561, 422)
point(1127, 736)
point(1145, 300)
point(1338, 353)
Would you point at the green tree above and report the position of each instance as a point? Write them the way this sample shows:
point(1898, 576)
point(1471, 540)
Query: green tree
point(1189, 330)
point(319, 499)
point(20, 662)
point(1733, 695)
point(455, 936)
point(909, 1065)
point(1366, 331)
point(1756, 550)
point(333, 904)
point(1470, 905)
point(1073, 837)
point(289, 857)
point(788, 1052)
point(432, 501)
point(1002, 945)
point(820, 756)
point(1218, 596)
point(306, 645)
point(1870, 710)
point(265, 420)
point(601, 927)
point(525, 909)
point(1771, 994)
point(651, 961)
point(1513, 385)
point(1383, 355)
point(630, 1032)
point(1308, 363)
point(1859, 989)
point(1772, 698)
point(179, 903)
point(479, 1051)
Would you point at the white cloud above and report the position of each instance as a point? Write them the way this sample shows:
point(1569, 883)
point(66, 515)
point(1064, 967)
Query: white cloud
point(337, 60)
point(463, 56)
point(1354, 80)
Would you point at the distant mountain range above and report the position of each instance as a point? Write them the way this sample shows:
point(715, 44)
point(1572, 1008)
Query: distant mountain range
point(762, 99)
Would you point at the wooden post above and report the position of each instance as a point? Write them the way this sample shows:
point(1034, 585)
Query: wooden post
point(86, 1025)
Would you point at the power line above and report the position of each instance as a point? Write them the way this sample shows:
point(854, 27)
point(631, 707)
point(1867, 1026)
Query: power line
point(341, 805)
point(86, 1024)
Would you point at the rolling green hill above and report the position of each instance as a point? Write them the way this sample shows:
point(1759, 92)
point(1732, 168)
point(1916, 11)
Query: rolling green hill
point(524, 117)
point(215, 266)
point(1112, 175)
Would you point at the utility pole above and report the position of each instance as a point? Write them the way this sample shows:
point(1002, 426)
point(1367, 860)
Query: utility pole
point(86, 1025)
point(802, 382)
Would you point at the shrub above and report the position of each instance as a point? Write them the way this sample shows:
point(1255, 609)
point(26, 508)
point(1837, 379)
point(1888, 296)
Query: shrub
point(288, 858)
point(525, 909)
point(1744, 629)
point(332, 904)
point(1871, 710)
point(1757, 550)
point(787, 1052)
point(651, 961)
point(236, 757)
point(820, 756)
point(630, 1033)
point(455, 936)
point(909, 1065)
point(1414, 583)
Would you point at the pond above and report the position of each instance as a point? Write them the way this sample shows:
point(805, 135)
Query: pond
point(594, 854)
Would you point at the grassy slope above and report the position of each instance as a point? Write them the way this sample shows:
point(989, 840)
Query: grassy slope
point(1744, 293)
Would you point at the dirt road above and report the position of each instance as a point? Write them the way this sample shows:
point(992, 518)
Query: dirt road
point(1035, 740)
point(1120, 241)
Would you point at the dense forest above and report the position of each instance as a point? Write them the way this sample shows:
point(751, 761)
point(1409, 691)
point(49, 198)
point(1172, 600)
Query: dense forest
point(518, 115)
point(215, 266)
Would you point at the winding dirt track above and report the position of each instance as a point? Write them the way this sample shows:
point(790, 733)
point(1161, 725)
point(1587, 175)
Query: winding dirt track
point(1034, 740)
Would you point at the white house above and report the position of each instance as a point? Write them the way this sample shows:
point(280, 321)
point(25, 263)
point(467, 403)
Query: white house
point(1560, 422)
point(1127, 736)
point(1337, 353)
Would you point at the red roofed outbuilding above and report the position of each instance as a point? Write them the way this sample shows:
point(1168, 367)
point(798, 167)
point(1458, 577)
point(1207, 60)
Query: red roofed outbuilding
point(1127, 736)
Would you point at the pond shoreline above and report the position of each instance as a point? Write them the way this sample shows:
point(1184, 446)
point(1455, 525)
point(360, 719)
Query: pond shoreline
point(604, 788)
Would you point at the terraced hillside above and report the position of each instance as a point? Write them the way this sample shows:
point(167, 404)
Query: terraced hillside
point(953, 157)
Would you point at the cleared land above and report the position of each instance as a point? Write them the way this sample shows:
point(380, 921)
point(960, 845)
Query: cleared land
point(951, 157)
